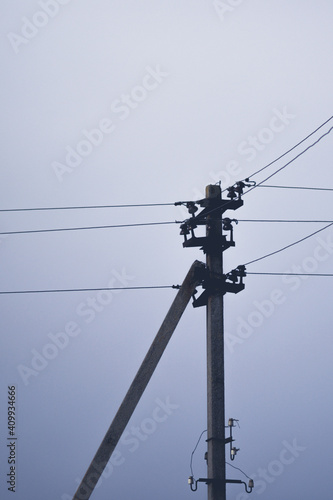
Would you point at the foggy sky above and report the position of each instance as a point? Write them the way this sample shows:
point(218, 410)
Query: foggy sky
point(123, 102)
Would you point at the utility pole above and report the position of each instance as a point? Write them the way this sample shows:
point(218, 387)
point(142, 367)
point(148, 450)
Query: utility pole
point(215, 352)
point(215, 285)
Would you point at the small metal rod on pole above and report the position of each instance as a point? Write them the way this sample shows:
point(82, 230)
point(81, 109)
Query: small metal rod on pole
point(215, 353)
point(140, 382)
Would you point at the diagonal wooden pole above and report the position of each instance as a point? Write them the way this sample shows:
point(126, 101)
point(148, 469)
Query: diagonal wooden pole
point(140, 382)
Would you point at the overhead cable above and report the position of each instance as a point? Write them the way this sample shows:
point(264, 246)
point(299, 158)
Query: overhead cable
point(101, 289)
point(288, 246)
point(285, 221)
point(289, 162)
point(83, 207)
point(176, 203)
point(295, 187)
point(292, 274)
point(294, 147)
point(228, 463)
point(29, 231)
point(196, 446)
point(255, 185)
point(53, 230)
point(64, 290)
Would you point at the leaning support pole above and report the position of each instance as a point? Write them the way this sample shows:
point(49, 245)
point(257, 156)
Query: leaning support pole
point(140, 382)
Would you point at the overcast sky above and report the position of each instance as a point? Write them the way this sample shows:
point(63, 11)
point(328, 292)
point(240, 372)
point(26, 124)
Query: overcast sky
point(134, 102)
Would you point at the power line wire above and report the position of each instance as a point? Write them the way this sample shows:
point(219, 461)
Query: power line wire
point(228, 463)
point(295, 187)
point(285, 220)
point(163, 204)
point(84, 207)
point(176, 203)
point(58, 290)
point(196, 446)
point(65, 290)
point(278, 170)
point(288, 246)
point(291, 149)
point(293, 274)
point(290, 161)
point(274, 173)
point(30, 231)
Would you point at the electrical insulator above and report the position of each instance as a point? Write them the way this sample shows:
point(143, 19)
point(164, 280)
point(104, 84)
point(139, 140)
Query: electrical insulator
point(231, 192)
point(184, 229)
point(241, 271)
point(240, 187)
point(227, 224)
point(191, 207)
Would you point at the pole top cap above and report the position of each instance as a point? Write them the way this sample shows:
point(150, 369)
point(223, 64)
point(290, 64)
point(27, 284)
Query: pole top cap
point(213, 191)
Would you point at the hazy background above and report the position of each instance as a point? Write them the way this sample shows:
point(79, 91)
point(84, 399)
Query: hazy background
point(228, 69)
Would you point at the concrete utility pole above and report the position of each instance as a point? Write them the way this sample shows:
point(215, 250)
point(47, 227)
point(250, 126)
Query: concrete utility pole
point(215, 353)
point(215, 285)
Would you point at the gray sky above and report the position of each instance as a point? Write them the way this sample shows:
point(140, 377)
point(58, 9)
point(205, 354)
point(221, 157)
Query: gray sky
point(119, 102)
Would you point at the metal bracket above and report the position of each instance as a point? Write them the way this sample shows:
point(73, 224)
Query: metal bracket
point(220, 285)
point(194, 482)
point(188, 226)
point(248, 488)
point(205, 242)
point(222, 205)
